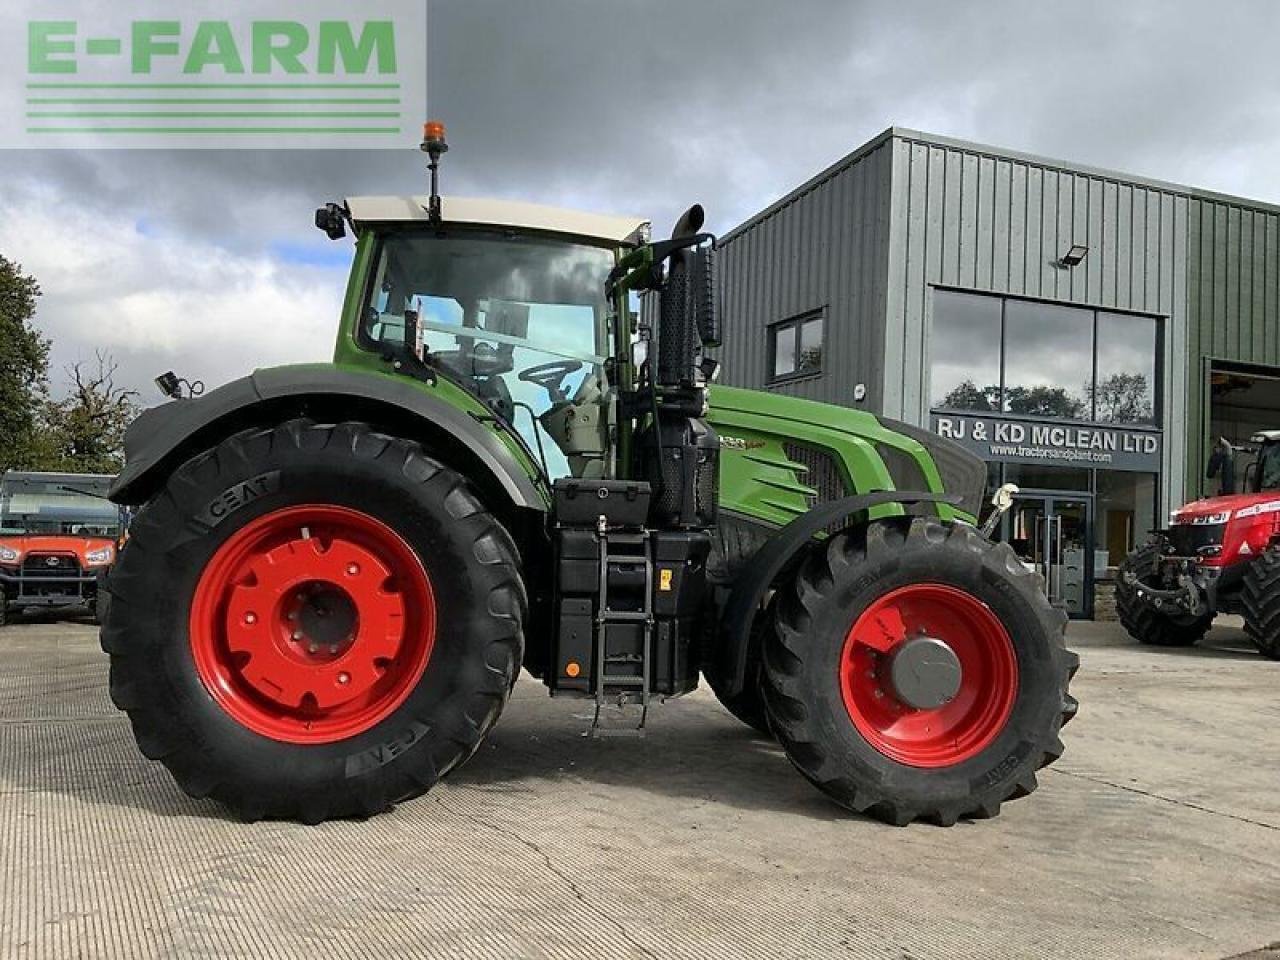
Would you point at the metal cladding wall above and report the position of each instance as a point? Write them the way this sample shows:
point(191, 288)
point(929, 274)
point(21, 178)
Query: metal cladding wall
point(1233, 300)
point(824, 247)
point(869, 238)
point(968, 217)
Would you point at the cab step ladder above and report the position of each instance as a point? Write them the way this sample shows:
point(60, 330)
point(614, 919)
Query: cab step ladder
point(611, 685)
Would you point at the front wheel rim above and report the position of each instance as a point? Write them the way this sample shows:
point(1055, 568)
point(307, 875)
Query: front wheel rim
point(312, 624)
point(983, 698)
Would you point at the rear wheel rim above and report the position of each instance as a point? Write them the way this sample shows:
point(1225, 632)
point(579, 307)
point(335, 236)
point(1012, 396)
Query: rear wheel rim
point(983, 697)
point(312, 624)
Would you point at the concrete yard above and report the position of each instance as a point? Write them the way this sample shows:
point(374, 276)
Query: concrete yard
point(1157, 835)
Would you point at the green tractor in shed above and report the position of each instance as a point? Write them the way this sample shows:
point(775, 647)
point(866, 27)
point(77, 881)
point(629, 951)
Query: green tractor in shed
point(336, 572)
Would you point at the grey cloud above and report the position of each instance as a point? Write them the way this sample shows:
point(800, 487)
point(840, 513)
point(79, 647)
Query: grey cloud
point(646, 107)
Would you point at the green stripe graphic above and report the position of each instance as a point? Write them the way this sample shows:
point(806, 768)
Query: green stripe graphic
point(377, 130)
point(213, 85)
point(391, 101)
point(196, 114)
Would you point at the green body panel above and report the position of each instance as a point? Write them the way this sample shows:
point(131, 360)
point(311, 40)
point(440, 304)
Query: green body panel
point(759, 480)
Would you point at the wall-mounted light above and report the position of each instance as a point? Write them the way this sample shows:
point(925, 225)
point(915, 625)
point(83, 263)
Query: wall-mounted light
point(1074, 256)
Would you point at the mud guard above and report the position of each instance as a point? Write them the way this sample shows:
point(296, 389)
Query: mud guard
point(165, 436)
point(752, 586)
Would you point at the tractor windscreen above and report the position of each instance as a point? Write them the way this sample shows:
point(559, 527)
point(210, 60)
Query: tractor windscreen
point(1269, 468)
point(519, 320)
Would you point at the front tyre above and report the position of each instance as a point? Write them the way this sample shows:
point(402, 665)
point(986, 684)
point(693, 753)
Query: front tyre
point(313, 621)
point(1139, 618)
point(918, 672)
point(1261, 596)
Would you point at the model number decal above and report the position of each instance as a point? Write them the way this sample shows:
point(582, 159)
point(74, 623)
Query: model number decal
point(737, 443)
point(235, 497)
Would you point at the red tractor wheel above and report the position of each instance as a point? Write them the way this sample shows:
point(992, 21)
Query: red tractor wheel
point(918, 672)
point(313, 621)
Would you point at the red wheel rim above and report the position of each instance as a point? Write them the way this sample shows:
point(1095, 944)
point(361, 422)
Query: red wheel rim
point(988, 682)
point(312, 624)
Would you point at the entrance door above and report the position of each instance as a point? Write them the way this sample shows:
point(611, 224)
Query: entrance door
point(1053, 535)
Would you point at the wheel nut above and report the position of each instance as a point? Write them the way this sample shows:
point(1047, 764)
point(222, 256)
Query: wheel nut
point(333, 648)
point(297, 634)
point(353, 569)
point(250, 617)
point(879, 694)
point(312, 648)
point(344, 678)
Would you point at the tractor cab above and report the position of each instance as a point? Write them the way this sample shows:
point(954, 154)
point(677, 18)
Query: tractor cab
point(1263, 474)
point(507, 300)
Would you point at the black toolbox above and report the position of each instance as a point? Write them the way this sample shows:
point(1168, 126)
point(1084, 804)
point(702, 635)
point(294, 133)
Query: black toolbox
point(581, 502)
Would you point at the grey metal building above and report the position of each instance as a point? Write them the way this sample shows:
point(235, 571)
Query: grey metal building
point(1090, 334)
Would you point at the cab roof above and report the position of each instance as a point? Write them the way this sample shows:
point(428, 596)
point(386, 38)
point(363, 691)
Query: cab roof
point(499, 213)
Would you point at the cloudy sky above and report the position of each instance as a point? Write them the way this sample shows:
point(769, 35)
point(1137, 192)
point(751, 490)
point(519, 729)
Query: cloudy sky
point(206, 262)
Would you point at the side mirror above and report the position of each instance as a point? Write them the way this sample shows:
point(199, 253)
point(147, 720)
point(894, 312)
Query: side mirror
point(332, 219)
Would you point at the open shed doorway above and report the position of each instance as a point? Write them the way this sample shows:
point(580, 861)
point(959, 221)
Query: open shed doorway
point(1243, 399)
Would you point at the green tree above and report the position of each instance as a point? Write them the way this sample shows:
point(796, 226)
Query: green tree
point(967, 395)
point(1043, 401)
point(24, 361)
point(1123, 398)
point(84, 433)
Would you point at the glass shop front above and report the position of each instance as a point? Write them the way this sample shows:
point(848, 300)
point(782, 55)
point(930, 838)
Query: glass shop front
point(1064, 402)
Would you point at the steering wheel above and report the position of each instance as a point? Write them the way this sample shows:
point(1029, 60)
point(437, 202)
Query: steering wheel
point(550, 376)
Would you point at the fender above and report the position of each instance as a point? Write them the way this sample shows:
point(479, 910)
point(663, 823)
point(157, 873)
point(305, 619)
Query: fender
point(753, 584)
point(163, 437)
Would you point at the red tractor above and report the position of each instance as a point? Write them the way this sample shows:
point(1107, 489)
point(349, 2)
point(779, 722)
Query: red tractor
point(1219, 555)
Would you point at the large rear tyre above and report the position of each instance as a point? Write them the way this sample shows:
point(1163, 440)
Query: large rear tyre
point(918, 672)
point(1143, 623)
point(1261, 596)
point(313, 621)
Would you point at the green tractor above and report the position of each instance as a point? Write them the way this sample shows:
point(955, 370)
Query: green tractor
point(336, 572)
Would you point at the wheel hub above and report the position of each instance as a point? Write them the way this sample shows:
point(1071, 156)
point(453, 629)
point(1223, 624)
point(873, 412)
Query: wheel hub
point(928, 675)
point(925, 673)
point(322, 621)
point(312, 623)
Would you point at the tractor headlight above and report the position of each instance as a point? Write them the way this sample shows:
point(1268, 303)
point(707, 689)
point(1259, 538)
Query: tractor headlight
point(1204, 520)
point(9, 555)
point(96, 558)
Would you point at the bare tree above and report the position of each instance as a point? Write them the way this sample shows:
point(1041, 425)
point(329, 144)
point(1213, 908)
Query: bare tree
point(84, 432)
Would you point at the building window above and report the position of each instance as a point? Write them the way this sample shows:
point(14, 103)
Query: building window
point(1124, 512)
point(1125, 382)
point(795, 347)
point(1028, 358)
point(965, 374)
point(1048, 360)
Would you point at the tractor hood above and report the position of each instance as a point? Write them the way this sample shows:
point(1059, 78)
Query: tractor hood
point(1220, 509)
point(854, 450)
